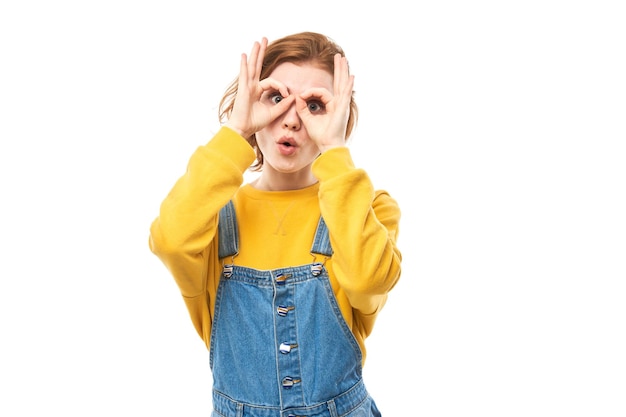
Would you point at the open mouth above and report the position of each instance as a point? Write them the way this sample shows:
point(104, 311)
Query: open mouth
point(285, 141)
point(287, 146)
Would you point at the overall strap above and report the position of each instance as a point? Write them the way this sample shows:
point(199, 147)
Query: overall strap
point(229, 234)
point(321, 243)
point(228, 231)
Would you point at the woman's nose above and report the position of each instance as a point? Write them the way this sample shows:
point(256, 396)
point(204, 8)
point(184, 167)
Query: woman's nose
point(291, 120)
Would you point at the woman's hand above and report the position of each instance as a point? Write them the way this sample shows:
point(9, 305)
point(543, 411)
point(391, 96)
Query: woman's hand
point(252, 109)
point(327, 126)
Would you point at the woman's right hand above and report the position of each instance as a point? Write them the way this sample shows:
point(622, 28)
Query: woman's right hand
point(253, 108)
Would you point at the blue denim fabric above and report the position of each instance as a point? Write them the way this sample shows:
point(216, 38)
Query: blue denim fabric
point(279, 345)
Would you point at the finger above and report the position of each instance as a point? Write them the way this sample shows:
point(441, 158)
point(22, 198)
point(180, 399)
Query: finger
point(343, 85)
point(346, 89)
point(243, 70)
point(280, 108)
point(254, 54)
point(317, 93)
point(342, 80)
point(337, 73)
point(255, 63)
point(301, 106)
point(259, 58)
point(270, 84)
point(302, 109)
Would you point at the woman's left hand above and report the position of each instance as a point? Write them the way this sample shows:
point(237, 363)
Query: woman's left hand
point(327, 128)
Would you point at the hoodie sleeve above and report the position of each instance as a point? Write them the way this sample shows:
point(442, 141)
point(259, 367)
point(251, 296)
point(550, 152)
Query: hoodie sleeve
point(363, 227)
point(183, 235)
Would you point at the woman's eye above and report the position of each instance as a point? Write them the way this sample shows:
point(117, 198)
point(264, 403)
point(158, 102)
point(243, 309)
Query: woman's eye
point(315, 106)
point(276, 98)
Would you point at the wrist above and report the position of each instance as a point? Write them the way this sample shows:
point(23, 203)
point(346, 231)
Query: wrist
point(236, 129)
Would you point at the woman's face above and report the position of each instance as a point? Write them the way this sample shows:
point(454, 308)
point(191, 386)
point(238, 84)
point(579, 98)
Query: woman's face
point(285, 143)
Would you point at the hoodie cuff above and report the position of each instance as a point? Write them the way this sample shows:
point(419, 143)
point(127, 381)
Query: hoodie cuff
point(233, 146)
point(332, 163)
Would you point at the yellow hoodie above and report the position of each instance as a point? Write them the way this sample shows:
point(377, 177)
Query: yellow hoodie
point(276, 229)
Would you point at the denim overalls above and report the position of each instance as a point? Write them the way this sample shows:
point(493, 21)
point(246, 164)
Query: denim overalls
point(279, 344)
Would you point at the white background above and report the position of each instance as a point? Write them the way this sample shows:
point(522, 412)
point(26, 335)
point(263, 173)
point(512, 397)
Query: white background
point(498, 126)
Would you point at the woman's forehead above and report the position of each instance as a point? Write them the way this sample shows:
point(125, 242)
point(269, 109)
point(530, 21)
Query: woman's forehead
point(300, 77)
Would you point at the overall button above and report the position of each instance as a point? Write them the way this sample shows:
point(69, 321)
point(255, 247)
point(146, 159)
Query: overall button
point(286, 347)
point(289, 382)
point(228, 271)
point(283, 310)
point(281, 279)
point(316, 268)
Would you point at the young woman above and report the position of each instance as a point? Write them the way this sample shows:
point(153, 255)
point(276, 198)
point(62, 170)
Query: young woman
point(284, 276)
